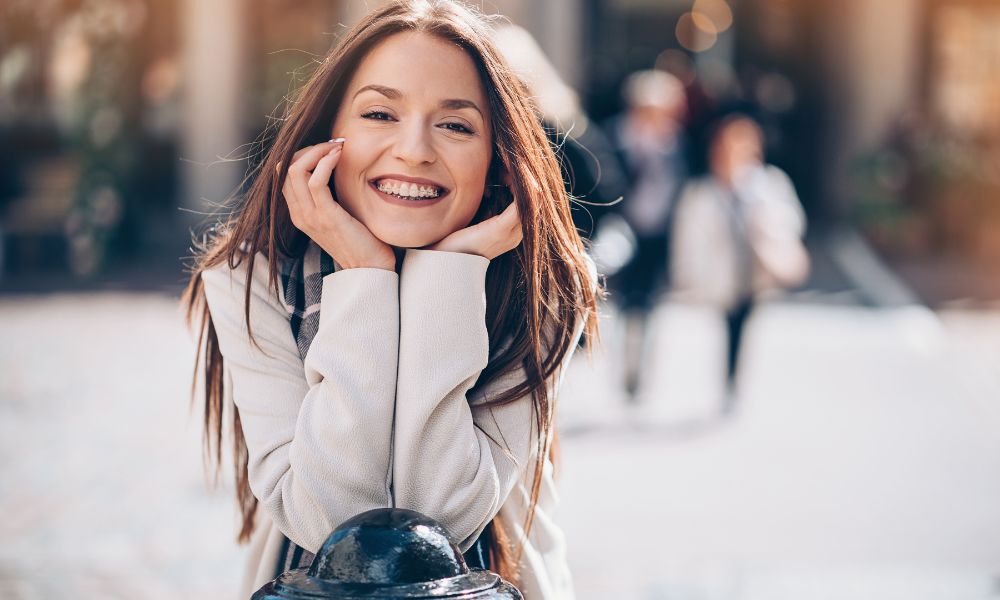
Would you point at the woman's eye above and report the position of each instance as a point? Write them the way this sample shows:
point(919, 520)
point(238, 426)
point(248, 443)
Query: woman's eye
point(457, 127)
point(376, 115)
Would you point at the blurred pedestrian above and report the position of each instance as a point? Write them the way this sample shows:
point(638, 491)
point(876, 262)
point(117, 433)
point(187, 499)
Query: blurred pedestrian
point(737, 232)
point(649, 139)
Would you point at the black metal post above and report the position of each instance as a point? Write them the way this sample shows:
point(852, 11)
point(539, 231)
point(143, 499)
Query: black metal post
point(388, 553)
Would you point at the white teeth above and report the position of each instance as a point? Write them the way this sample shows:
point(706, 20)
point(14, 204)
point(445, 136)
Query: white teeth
point(408, 190)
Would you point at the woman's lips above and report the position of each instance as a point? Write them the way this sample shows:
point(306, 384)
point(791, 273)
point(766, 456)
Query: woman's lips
point(414, 203)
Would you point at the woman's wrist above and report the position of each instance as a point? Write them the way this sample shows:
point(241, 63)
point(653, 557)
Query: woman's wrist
point(368, 265)
point(378, 260)
point(464, 251)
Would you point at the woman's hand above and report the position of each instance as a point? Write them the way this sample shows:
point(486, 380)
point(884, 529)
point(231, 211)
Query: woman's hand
point(489, 238)
point(314, 211)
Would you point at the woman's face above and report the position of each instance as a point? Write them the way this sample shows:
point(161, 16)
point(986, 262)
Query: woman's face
point(415, 115)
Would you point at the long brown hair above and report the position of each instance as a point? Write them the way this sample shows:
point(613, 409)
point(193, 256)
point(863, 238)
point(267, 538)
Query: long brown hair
point(543, 285)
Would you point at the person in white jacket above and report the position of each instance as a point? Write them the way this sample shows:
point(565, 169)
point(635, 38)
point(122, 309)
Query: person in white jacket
point(389, 312)
point(737, 233)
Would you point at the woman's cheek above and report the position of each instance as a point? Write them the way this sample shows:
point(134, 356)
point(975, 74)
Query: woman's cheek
point(342, 189)
point(474, 203)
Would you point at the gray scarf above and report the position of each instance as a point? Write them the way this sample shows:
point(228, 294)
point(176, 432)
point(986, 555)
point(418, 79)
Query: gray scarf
point(302, 282)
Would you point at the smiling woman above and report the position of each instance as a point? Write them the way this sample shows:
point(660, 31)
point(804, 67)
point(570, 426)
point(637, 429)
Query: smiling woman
point(390, 311)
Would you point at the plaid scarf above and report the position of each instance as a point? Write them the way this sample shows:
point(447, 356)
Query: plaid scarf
point(302, 282)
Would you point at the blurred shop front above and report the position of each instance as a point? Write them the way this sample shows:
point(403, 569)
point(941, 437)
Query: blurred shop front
point(930, 183)
point(124, 122)
point(88, 130)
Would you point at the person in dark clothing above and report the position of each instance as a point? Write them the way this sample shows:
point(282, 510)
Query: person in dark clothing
point(649, 140)
point(592, 173)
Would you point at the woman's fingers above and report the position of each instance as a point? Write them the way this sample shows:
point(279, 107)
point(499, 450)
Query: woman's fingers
point(511, 217)
point(301, 170)
point(319, 180)
point(506, 227)
point(294, 206)
point(296, 187)
point(310, 155)
point(512, 221)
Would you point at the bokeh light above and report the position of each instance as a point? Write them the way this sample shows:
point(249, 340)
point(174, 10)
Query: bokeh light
point(696, 32)
point(717, 12)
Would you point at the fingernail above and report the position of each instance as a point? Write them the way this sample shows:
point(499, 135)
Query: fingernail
point(338, 140)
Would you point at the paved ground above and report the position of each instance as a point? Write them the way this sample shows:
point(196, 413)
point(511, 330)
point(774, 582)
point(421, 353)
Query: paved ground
point(103, 495)
point(864, 463)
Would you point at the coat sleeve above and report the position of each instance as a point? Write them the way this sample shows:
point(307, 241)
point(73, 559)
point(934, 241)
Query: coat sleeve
point(318, 431)
point(455, 461)
point(700, 249)
point(781, 213)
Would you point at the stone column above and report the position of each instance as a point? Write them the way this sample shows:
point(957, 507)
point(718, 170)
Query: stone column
point(213, 57)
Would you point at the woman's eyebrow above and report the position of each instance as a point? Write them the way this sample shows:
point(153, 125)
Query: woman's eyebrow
point(388, 92)
point(457, 103)
point(394, 94)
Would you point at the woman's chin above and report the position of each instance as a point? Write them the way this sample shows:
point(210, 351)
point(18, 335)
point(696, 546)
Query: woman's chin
point(407, 237)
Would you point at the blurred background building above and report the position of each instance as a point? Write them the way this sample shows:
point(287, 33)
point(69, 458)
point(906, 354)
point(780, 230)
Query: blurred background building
point(123, 120)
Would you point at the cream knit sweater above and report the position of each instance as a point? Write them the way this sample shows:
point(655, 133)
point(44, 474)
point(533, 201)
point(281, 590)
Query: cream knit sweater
point(379, 406)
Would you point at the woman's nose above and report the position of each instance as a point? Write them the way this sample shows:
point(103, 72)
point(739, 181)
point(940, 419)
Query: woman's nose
point(414, 146)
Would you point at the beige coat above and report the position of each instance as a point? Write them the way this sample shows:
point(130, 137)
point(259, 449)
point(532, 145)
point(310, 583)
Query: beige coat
point(379, 407)
point(704, 265)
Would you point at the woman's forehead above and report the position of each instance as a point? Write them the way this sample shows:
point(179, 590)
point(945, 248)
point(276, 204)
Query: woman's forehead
point(420, 67)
